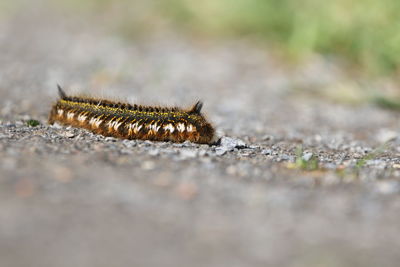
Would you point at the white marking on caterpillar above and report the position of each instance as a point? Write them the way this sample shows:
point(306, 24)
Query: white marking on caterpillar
point(189, 128)
point(181, 127)
point(156, 127)
point(95, 122)
point(82, 118)
point(92, 121)
point(70, 115)
point(153, 127)
point(98, 122)
point(60, 112)
point(169, 127)
point(111, 125)
point(135, 127)
point(116, 125)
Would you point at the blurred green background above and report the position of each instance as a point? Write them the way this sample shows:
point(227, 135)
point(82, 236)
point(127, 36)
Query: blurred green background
point(365, 33)
point(362, 34)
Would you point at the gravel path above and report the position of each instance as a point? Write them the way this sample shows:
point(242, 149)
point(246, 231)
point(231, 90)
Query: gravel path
point(71, 198)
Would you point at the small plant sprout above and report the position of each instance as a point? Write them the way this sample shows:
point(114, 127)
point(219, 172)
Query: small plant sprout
point(32, 123)
point(305, 161)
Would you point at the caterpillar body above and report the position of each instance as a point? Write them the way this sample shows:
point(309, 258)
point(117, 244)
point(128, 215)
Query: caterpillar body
point(123, 120)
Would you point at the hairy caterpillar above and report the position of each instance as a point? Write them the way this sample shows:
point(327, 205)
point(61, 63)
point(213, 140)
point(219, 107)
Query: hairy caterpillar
point(123, 120)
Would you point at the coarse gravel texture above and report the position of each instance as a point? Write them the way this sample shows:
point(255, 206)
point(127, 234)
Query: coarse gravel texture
point(72, 198)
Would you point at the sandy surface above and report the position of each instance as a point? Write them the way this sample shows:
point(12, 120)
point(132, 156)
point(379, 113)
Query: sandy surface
point(71, 198)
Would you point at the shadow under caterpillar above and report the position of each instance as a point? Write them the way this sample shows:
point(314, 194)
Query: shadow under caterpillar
point(123, 120)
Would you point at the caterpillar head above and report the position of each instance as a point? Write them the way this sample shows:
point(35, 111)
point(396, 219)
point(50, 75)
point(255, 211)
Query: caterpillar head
point(205, 129)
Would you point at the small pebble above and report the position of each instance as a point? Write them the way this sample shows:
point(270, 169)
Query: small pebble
point(56, 126)
point(307, 156)
point(129, 143)
point(396, 166)
point(284, 157)
point(69, 134)
point(188, 144)
point(230, 143)
point(266, 152)
point(220, 151)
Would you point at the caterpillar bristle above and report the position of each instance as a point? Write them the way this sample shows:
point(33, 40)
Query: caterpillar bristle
point(61, 92)
point(128, 121)
point(197, 107)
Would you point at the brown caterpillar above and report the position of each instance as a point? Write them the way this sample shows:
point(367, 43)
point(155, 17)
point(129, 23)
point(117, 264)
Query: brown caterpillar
point(123, 120)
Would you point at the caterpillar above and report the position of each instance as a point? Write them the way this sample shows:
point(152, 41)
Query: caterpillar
point(123, 120)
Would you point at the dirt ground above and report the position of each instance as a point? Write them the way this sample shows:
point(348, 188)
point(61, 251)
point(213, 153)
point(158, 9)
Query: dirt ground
point(72, 198)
